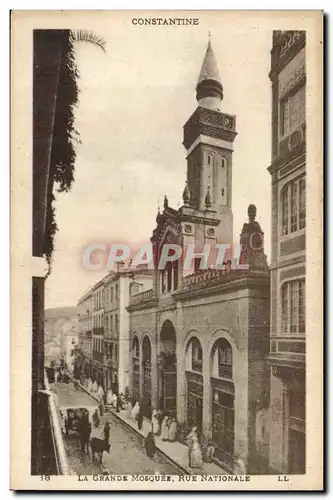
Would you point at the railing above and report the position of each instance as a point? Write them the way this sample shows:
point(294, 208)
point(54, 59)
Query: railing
point(98, 330)
point(98, 356)
point(58, 443)
point(144, 296)
point(206, 276)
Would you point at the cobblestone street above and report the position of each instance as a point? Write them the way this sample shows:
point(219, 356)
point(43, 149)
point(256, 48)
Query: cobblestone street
point(127, 454)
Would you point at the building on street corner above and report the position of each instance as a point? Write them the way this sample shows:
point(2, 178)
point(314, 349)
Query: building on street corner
point(288, 267)
point(104, 327)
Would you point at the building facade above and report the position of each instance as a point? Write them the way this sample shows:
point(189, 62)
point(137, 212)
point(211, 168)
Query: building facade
point(85, 327)
point(117, 288)
point(288, 327)
point(103, 327)
point(98, 333)
point(200, 337)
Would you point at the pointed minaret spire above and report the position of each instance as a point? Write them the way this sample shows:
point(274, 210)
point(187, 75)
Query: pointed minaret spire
point(209, 86)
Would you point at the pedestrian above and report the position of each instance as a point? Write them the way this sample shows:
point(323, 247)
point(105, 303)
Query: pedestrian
point(107, 431)
point(159, 417)
point(95, 387)
point(118, 404)
point(100, 393)
point(196, 455)
point(240, 467)
point(84, 432)
point(109, 397)
point(172, 430)
point(210, 453)
point(129, 409)
point(193, 434)
point(135, 410)
point(150, 445)
point(139, 419)
point(165, 428)
point(154, 423)
point(95, 418)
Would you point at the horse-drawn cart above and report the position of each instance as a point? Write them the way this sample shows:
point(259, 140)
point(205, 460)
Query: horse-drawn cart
point(71, 416)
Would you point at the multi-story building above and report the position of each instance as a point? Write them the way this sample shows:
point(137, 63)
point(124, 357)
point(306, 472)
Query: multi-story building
point(288, 327)
point(104, 326)
point(97, 371)
point(200, 340)
point(85, 322)
point(117, 286)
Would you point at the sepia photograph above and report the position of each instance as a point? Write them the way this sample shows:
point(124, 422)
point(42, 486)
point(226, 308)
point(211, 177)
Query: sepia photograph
point(164, 285)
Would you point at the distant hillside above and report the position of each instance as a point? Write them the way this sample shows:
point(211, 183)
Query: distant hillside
point(61, 312)
point(60, 326)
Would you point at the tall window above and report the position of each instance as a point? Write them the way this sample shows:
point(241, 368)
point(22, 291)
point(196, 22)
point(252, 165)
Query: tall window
point(196, 355)
point(293, 306)
point(224, 359)
point(292, 111)
point(293, 199)
point(117, 294)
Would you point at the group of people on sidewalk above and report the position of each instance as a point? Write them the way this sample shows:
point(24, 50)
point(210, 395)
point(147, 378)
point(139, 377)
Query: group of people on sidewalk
point(166, 427)
point(106, 398)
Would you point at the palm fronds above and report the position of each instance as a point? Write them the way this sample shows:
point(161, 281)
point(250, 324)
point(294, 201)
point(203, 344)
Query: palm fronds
point(88, 36)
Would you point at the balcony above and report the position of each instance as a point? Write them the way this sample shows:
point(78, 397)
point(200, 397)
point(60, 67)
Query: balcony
point(145, 296)
point(98, 356)
point(98, 330)
point(287, 352)
point(89, 333)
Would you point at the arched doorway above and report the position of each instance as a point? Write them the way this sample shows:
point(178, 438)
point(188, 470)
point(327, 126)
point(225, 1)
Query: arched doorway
point(194, 384)
point(136, 369)
point(223, 396)
point(146, 386)
point(168, 369)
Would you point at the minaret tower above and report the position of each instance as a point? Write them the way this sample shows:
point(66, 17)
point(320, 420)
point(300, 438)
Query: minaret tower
point(208, 138)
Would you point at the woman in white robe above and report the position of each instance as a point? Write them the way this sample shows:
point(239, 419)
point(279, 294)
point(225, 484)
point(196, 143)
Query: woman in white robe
point(196, 455)
point(114, 401)
point(109, 396)
point(90, 385)
point(95, 386)
point(172, 430)
point(135, 410)
point(165, 429)
point(129, 409)
point(100, 392)
point(155, 425)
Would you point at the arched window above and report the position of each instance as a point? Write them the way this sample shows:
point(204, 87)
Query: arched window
point(196, 355)
point(146, 350)
point(222, 359)
point(136, 348)
point(293, 208)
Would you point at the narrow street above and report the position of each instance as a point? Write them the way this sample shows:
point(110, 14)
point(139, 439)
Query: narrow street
point(127, 454)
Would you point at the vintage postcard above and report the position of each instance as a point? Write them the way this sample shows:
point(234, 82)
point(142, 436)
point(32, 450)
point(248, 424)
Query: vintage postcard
point(166, 225)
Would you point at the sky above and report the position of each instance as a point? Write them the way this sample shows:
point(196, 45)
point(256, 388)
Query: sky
point(134, 101)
